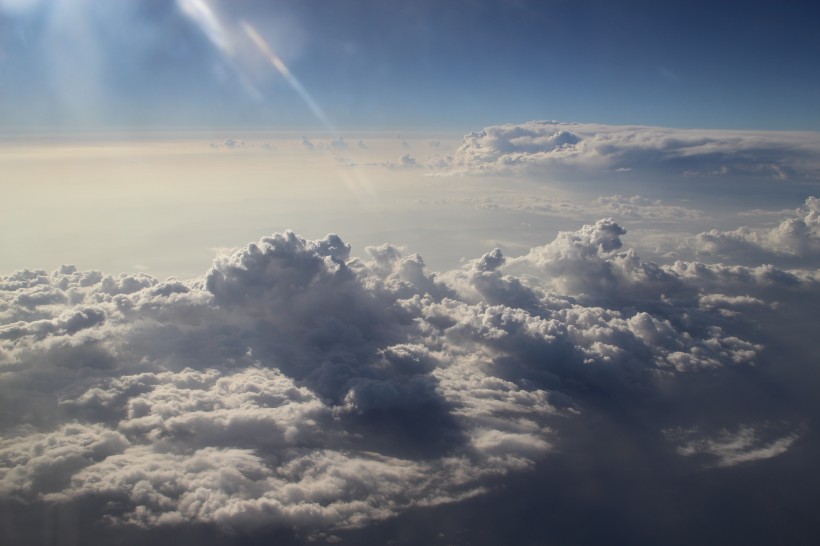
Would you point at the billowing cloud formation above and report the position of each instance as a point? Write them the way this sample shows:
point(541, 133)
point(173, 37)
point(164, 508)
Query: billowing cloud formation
point(795, 240)
point(295, 385)
point(539, 145)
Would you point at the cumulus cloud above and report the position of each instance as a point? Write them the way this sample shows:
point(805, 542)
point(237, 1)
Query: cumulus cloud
point(297, 385)
point(794, 240)
point(540, 145)
point(405, 161)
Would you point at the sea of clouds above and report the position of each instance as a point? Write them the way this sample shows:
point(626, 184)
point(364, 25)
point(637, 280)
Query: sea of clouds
point(295, 384)
point(300, 385)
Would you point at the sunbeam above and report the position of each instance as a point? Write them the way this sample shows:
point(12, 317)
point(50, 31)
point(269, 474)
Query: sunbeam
point(277, 63)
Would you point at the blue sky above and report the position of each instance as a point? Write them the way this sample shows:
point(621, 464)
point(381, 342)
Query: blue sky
point(460, 64)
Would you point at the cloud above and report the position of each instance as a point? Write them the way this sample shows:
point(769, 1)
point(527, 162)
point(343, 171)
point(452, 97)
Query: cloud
point(338, 144)
point(42, 461)
point(537, 146)
point(730, 448)
point(794, 240)
point(637, 208)
point(295, 385)
point(405, 161)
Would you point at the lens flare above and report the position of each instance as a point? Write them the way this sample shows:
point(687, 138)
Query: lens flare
point(277, 63)
point(240, 44)
point(202, 14)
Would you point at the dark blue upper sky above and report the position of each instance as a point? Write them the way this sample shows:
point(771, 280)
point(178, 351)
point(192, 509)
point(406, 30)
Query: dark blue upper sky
point(457, 64)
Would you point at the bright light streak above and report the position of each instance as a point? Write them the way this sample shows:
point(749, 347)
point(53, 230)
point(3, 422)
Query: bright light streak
point(207, 20)
point(201, 13)
point(226, 40)
point(277, 63)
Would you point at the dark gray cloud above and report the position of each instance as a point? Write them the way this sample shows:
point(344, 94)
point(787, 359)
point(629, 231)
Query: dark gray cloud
point(297, 389)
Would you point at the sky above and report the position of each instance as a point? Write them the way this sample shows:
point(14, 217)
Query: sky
point(463, 63)
point(456, 273)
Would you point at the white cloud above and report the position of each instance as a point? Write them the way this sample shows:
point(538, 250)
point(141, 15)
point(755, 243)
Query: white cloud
point(797, 237)
point(540, 145)
point(730, 448)
point(296, 385)
point(404, 161)
point(43, 461)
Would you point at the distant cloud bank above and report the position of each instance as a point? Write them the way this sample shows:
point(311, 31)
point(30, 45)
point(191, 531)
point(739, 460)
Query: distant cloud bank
point(539, 145)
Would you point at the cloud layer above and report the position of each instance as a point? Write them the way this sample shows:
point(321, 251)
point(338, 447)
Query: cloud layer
point(536, 146)
point(296, 386)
